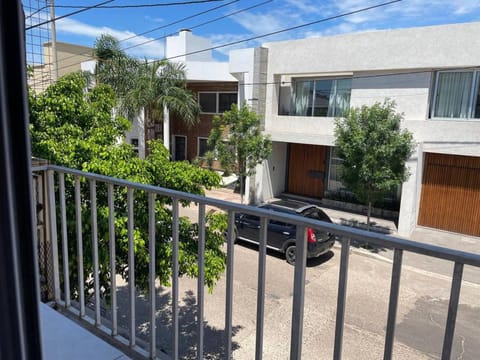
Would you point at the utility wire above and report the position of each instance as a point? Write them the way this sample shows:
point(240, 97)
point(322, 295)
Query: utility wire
point(286, 29)
point(281, 31)
point(180, 20)
point(201, 24)
point(69, 14)
point(139, 5)
point(89, 55)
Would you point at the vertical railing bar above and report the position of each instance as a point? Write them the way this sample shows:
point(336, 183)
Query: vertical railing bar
point(298, 293)
point(53, 234)
point(341, 298)
point(261, 288)
point(452, 311)
point(229, 285)
point(392, 307)
point(152, 259)
point(201, 279)
point(113, 271)
point(96, 278)
point(175, 285)
point(66, 270)
point(131, 267)
point(78, 214)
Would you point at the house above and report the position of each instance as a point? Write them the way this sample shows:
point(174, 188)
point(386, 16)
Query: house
point(432, 73)
point(70, 58)
point(210, 80)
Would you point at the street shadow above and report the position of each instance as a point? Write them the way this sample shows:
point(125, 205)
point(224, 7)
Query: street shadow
point(214, 338)
point(423, 329)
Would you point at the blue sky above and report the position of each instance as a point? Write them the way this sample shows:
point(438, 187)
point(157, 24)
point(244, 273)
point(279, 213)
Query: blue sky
point(274, 15)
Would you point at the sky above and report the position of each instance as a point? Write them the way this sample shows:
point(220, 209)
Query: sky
point(237, 24)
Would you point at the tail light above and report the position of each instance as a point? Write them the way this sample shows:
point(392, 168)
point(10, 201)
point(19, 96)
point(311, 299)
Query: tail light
point(311, 238)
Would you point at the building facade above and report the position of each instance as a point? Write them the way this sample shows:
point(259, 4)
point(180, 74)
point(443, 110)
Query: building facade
point(432, 74)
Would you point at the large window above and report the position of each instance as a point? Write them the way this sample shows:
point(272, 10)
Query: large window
point(320, 97)
point(216, 102)
point(202, 146)
point(456, 95)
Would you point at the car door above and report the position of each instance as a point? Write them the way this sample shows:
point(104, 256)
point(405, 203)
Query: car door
point(278, 233)
point(248, 227)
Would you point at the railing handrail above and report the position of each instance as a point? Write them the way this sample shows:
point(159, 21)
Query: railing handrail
point(384, 240)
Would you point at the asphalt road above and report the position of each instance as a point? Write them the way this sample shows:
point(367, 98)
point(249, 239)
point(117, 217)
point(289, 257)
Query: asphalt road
point(422, 311)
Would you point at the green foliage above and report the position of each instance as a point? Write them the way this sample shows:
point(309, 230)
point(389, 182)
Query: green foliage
point(238, 142)
point(74, 128)
point(374, 149)
point(149, 85)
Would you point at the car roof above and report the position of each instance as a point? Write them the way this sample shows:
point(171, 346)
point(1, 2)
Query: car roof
point(288, 205)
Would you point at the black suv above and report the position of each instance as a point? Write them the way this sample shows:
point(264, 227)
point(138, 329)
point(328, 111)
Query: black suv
point(281, 235)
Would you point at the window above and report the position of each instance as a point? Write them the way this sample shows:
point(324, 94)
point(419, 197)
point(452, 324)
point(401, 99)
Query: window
point(202, 146)
point(216, 103)
point(320, 97)
point(456, 95)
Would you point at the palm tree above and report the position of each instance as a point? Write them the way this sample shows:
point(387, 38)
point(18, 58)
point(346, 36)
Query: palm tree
point(158, 87)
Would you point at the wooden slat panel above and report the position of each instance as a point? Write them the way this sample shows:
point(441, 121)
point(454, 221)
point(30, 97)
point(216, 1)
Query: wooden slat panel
point(306, 169)
point(450, 198)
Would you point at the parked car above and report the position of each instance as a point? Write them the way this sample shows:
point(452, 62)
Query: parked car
point(281, 235)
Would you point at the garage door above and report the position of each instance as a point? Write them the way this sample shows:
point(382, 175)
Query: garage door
point(450, 198)
point(306, 170)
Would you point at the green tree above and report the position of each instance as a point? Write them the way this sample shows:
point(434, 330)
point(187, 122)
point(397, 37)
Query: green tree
point(74, 128)
point(238, 143)
point(158, 87)
point(374, 150)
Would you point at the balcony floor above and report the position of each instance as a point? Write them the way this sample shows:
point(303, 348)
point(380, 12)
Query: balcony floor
point(64, 339)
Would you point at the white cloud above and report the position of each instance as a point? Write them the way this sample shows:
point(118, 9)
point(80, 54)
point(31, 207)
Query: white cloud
point(141, 46)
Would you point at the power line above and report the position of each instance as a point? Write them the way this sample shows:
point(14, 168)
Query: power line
point(69, 14)
point(139, 5)
point(202, 24)
point(280, 31)
point(180, 20)
point(286, 29)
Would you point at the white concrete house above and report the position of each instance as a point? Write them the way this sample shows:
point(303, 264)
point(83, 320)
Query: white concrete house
point(433, 75)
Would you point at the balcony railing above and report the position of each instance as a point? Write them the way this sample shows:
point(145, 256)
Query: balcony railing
point(56, 218)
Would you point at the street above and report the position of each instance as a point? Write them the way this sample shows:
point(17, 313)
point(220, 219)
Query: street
point(422, 311)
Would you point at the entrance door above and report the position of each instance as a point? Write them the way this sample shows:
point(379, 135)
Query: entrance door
point(179, 147)
point(306, 170)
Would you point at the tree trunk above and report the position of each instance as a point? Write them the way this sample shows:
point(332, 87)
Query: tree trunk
point(241, 188)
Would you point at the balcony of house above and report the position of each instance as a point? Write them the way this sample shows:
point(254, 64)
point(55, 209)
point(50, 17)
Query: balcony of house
point(136, 294)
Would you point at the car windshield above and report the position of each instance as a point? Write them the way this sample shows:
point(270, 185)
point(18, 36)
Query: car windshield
point(317, 214)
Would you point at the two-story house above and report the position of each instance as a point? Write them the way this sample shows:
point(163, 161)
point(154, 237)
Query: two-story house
point(433, 75)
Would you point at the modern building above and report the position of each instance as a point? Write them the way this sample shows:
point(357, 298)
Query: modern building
point(210, 80)
point(69, 58)
point(433, 75)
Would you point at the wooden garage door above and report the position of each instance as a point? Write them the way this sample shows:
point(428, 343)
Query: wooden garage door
point(306, 170)
point(450, 198)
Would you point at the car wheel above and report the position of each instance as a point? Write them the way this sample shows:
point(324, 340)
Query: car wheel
point(290, 254)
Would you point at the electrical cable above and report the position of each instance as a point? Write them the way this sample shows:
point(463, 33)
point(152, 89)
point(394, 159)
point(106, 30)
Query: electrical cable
point(282, 30)
point(201, 24)
point(69, 14)
point(139, 5)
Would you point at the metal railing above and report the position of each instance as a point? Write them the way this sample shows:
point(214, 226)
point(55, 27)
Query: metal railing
point(345, 234)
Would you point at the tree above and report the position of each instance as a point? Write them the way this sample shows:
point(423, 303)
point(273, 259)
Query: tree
point(374, 150)
point(74, 128)
point(158, 87)
point(238, 143)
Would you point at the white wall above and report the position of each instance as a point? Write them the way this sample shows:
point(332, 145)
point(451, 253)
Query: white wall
point(270, 178)
point(185, 43)
point(137, 132)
